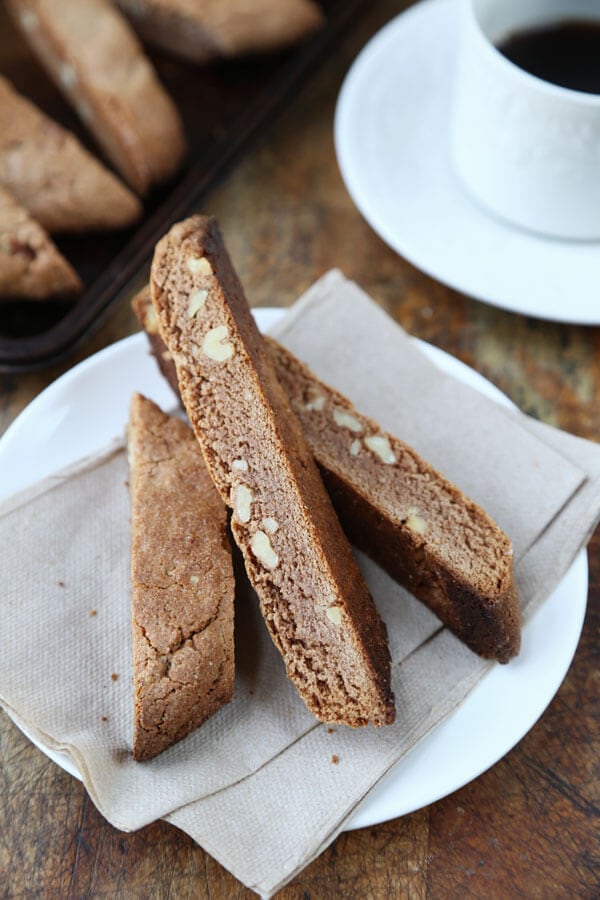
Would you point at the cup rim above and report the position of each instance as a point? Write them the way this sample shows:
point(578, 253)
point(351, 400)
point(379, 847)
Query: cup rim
point(583, 98)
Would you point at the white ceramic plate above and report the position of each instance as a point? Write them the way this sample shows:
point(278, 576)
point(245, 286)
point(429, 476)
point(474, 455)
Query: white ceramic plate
point(88, 406)
point(392, 143)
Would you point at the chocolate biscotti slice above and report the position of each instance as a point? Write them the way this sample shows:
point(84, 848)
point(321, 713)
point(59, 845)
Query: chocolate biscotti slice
point(202, 30)
point(314, 600)
point(405, 515)
point(395, 507)
point(53, 176)
point(182, 583)
point(144, 310)
point(31, 267)
point(94, 57)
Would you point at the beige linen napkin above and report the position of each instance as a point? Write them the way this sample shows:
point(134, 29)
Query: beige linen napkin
point(255, 785)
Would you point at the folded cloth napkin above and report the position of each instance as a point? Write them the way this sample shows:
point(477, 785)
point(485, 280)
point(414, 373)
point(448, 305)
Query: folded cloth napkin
point(255, 785)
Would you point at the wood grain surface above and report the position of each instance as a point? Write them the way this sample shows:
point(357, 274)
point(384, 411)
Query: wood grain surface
point(526, 828)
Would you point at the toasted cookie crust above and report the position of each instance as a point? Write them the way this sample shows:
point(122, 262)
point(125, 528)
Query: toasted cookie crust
point(182, 583)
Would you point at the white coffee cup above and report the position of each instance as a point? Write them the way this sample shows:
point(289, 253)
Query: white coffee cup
point(527, 149)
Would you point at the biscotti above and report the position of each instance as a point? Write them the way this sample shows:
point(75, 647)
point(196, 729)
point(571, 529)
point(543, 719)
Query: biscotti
point(49, 172)
point(182, 583)
point(31, 267)
point(406, 516)
point(202, 30)
point(313, 597)
point(144, 311)
point(94, 57)
point(397, 509)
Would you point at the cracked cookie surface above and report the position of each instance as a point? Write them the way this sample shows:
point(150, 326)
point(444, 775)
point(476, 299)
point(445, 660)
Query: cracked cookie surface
point(182, 583)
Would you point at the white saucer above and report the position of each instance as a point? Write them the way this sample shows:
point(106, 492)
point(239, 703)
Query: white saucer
point(87, 408)
point(391, 137)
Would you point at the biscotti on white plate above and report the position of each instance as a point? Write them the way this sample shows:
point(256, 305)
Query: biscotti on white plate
point(91, 52)
point(182, 583)
point(396, 508)
point(419, 527)
point(313, 597)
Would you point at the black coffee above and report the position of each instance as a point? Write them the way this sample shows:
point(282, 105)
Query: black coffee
point(567, 53)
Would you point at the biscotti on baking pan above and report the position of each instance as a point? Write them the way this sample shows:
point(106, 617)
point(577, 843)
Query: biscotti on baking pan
point(182, 583)
point(94, 57)
point(201, 30)
point(31, 267)
point(313, 597)
point(396, 508)
point(49, 172)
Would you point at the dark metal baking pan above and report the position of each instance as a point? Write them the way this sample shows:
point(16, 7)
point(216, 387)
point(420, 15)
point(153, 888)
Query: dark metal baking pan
point(223, 107)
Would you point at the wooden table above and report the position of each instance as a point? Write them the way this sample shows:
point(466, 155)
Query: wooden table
point(526, 828)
